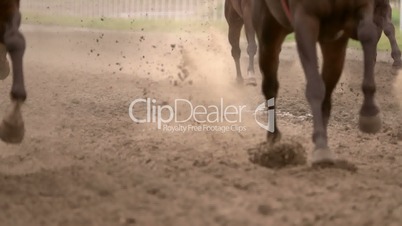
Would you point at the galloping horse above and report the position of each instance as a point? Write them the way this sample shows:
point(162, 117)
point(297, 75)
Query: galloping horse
point(331, 23)
point(237, 14)
point(383, 20)
point(13, 42)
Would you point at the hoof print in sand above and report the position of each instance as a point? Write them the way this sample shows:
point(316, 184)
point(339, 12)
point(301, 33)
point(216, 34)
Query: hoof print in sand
point(336, 164)
point(279, 155)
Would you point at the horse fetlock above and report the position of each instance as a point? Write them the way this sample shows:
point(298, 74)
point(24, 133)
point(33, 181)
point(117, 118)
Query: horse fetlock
point(396, 55)
point(18, 93)
point(370, 124)
point(320, 140)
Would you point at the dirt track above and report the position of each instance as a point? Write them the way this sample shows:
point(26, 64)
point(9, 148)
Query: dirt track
point(84, 162)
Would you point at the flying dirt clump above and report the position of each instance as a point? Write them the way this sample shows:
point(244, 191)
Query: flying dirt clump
point(282, 154)
point(185, 63)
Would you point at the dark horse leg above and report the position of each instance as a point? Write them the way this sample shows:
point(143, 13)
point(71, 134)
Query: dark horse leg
point(12, 126)
point(333, 61)
point(369, 121)
point(307, 29)
point(269, 49)
point(252, 45)
point(235, 23)
point(389, 31)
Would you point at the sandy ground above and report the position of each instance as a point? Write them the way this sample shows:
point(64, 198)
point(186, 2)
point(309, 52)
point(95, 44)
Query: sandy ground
point(85, 162)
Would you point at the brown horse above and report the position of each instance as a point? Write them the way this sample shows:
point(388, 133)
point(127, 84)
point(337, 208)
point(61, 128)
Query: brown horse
point(12, 42)
point(331, 23)
point(383, 20)
point(237, 14)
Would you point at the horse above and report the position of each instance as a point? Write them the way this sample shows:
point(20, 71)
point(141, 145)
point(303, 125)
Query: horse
point(12, 41)
point(237, 14)
point(383, 20)
point(331, 24)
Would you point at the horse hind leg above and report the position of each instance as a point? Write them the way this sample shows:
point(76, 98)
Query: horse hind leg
point(235, 25)
point(251, 48)
point(389, 30)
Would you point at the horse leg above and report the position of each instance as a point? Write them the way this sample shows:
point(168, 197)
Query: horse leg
point(270, 36)
point(369, 121)
point(251, 48)
point(12, 127)
point(333, 61)
point(235, 23)
point(389, 30)
point(306, 31)
point(4, 64)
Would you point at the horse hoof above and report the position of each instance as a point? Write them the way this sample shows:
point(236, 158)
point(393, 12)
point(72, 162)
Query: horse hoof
point(322, 157)
point(397, 64)
point(251, 82)
point(370, 124)
point(4, 70)
point(12, 133)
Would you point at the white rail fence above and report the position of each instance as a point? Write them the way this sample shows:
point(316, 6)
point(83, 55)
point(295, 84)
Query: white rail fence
point(147, 9)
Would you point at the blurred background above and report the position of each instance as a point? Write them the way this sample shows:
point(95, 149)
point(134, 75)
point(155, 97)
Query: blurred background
point(168, 15)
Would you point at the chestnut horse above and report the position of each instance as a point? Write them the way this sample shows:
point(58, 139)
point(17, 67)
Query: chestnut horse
point(12, 42)
point(237, 14)
point(383, 20)
point(331, 23)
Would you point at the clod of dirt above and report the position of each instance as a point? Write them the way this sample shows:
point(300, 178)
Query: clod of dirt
point(279, 155)
point(264, 210)
point(128, 221)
